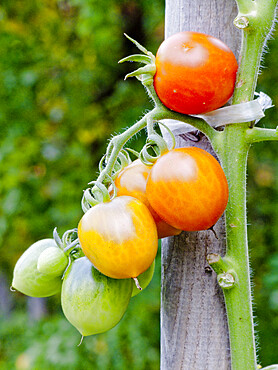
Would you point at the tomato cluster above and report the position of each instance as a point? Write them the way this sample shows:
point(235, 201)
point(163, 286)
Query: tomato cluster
point(112, 256)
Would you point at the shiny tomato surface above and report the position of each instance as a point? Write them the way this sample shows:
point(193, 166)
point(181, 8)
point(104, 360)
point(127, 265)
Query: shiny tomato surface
point(195, 73)
point(132, 181)
point(119, 237)
point(188, 189)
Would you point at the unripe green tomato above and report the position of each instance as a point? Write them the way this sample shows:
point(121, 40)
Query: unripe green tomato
point(91, 301)
point(26, 277)
point(144, 280)
point(52, 261)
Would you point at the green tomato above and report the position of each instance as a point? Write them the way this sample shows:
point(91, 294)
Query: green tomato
point(144, 279)
point(52, 261)
point(26, 277)
point(91, 301)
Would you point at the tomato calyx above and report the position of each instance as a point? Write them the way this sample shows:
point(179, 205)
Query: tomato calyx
point(144, 74)
point(103, 189)
point(155, 145)
point(69, 243)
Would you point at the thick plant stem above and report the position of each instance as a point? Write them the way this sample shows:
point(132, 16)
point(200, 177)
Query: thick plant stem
point(238, 298)
point(255, 18)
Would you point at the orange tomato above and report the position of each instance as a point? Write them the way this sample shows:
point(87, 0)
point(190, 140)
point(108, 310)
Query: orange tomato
point(195, 73)
point(188, 189)
point(132, 181)
point(119, 237)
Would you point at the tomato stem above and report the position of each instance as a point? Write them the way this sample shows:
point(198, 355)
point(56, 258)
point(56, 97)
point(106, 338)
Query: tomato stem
point(255, 18)
point(238, 299)
point(220, 265)
point(71, 245)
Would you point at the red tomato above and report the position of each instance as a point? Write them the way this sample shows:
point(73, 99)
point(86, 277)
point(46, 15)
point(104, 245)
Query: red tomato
point(195, 73)
point(132, 181)
point(188, 189)
point(119, 237)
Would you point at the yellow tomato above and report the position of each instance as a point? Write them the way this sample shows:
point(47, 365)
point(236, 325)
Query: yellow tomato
point(119, 237)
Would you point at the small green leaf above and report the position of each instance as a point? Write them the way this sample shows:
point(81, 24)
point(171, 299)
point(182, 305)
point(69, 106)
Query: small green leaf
point(140, 47)
point(140, 58)
point(148, 69)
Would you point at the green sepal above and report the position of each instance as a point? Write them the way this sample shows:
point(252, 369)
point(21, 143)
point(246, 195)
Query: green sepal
point(149, 69)
point(140, 58)
point(140, 47)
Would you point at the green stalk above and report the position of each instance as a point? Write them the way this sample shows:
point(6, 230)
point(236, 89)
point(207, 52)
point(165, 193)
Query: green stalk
point(255, 18)
point(238, 298)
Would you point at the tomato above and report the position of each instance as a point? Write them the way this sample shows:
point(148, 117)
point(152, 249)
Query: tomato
point(132, 181)
point(28, 279)
point(52, 261)
point(195, 73)
point(119, 237)
point(144, 280)
point(188, 189)
point(91, 301)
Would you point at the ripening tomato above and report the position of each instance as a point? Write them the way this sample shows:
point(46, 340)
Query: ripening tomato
point(188, 189)
point(91, 301)
point(132, 181)
point(28, 280)
point(119, 237)
point(195, 73)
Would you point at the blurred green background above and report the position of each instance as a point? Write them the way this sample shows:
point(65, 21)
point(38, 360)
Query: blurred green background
point(62, 95)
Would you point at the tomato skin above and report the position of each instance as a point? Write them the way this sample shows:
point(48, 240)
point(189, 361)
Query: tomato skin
point(28, 280)
point(195, 73)
point(132, 181)
point(188, 189)
point(91, 301)
point(119, 237)
point(52, 261)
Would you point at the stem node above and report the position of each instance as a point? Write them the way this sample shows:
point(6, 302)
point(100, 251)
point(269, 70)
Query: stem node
point(241, 22)
point(226, 280)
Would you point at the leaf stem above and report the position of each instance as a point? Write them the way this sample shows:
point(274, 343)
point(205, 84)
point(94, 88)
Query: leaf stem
point(257, 134)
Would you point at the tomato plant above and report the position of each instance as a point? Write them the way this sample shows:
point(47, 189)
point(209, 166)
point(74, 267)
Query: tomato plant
point(119, 237)
point(182, 189)
point(132, 181)
point(91, 301)
point(188, 189)
point(195, 73)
